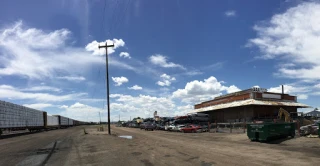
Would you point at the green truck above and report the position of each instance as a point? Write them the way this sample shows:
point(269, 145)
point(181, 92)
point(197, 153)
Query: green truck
point(269, 131)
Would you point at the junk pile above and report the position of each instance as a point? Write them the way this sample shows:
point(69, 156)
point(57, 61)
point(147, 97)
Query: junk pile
point(312, 129)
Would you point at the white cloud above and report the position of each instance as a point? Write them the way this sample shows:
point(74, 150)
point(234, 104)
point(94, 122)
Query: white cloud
point(230, 13)
point(84, 112)
point(38, 105)
point(7, 92)
point(142, 105)
point(125, 55)
point(317, 86)
point(72, 78)
point(289, 89)
point(166, 80)
point(300, 91)
point(198, 91)
point(42, 88)
point(302, 96)
point(161, 60)
point(183, 110)
point(94, 46)
point(37, 47)
point(193, 73)
point(292, 36)
point(232, 89)
point(63, 106)
point(135, 87)
point(119, 80)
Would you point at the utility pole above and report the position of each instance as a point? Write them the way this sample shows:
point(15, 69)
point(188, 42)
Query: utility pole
point(100, 117)
point(107, 77)
point(119, 117)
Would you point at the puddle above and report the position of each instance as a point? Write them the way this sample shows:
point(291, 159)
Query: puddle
point(126, 136)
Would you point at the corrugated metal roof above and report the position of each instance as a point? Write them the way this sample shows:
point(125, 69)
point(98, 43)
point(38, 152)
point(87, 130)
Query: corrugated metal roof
point(251, 102)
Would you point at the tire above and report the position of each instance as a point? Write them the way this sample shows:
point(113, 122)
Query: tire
point(292, 135)
point(193, 131)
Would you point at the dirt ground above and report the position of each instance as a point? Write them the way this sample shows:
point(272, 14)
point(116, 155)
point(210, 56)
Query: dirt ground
point(155, 148)
point(170, 148)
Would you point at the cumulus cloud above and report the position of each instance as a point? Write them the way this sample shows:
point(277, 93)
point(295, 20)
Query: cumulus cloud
point(119, 80)
point(135, 87)
point(10, 92)
point(94, 46)
point(125, 55)
point(230, 13)
point(72, 78)
point(198, 91)
point(143, 105)
point(166, 80)
point(183, 110)
point(161, 61)
point(83, 112)
point(38, 106)
point(292, 36)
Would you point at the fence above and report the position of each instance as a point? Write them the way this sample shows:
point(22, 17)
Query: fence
point(235, 127)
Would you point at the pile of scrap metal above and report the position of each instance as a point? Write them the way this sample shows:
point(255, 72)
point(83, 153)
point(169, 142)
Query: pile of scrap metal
point(311, 129)
point(193, 118)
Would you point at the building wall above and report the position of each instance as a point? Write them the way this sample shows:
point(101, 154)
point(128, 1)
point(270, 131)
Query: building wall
point(246, 113)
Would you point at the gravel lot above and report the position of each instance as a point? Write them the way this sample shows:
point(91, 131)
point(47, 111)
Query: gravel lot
point(159, 148)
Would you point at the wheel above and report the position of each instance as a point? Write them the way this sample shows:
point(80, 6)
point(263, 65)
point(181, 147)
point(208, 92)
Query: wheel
point(193, 131)
point(183, 131)
point(292, 135)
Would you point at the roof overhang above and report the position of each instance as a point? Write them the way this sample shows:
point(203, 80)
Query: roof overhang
point(252, 102)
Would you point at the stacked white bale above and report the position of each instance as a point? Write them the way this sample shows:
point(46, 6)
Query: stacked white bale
point(70, 122)
point(52, 120)
point(11, 115)
point(63, 121)
point(34, 117)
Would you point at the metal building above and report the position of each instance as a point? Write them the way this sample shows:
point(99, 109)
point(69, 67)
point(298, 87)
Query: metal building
point(248, 105)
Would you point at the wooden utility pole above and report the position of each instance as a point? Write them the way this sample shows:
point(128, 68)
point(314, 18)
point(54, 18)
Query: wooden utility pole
point(107, 77)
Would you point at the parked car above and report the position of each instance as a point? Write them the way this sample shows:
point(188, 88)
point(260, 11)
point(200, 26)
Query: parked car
point(142, 126)
point(309, 129)
point(171, 127)
point(179, 127)
point(149, 126)
point(191, 129)
point(159, 127)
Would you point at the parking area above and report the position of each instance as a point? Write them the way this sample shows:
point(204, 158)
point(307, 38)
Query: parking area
point(176, 148)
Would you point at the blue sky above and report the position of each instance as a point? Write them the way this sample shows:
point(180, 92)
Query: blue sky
point(168, 55)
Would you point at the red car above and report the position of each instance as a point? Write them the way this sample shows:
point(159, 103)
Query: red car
point(191, 129)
